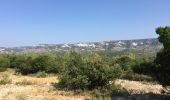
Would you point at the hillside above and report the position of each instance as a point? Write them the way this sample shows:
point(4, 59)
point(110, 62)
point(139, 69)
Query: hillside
point(137, 45)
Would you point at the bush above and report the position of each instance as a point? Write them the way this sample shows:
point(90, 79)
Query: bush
point(55, 64)
point(41, 74)
point(126, 62)
point(29, 65)
point(40, 63)
point(46, 63)
point(72, 74)
point(87, 73)
point(146, 68)
point(12, 58)
point(4, 63)
point(99, 72)
point(23, 64)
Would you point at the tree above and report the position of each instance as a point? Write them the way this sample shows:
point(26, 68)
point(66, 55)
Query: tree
point(163, 57)
point(164, 36)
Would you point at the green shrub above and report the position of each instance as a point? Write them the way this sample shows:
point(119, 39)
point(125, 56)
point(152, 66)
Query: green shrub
point(99, 72)
point(146, 68)
point(41, 74)
point(87, 73)
point(72, 74)
point(46, 63)
point(29, 65)
point(5, 79)
point(23, 64)
point(40, 63)
point(55, 64)
point(12, 58)
point(126, 62)
point(4, 63)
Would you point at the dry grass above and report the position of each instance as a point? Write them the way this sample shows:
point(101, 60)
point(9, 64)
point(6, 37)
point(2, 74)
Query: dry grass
point(5, 79)
point(42, 89)
point(139, 87)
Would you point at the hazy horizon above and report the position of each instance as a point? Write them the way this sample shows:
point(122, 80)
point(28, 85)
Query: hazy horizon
point(74, 42)
point(32, 22)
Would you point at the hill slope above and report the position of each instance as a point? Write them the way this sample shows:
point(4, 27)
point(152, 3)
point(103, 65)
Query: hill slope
point(137, 45)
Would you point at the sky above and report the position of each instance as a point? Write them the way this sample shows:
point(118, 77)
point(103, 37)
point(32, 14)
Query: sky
point(32, 22)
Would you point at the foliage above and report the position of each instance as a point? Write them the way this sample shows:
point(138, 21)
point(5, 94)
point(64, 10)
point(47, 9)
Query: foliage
point(72, 75)
point(144, 66)
point(163, 57)
point(54, 64)
point(87, 73)
point(4, 63)
point(42, 62)
point(164, 36)
point(33, 64)
point(23, 64)
point(12, 58)
point(126, 62)
point(99, 72)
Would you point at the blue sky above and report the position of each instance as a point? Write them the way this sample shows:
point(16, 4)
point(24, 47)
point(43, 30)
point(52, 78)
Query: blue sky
point(31, 22)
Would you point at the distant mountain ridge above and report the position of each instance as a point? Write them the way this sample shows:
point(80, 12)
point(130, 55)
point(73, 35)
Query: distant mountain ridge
point(117, 45)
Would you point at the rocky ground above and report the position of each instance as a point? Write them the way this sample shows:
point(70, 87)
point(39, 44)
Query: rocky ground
point(32, 88)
